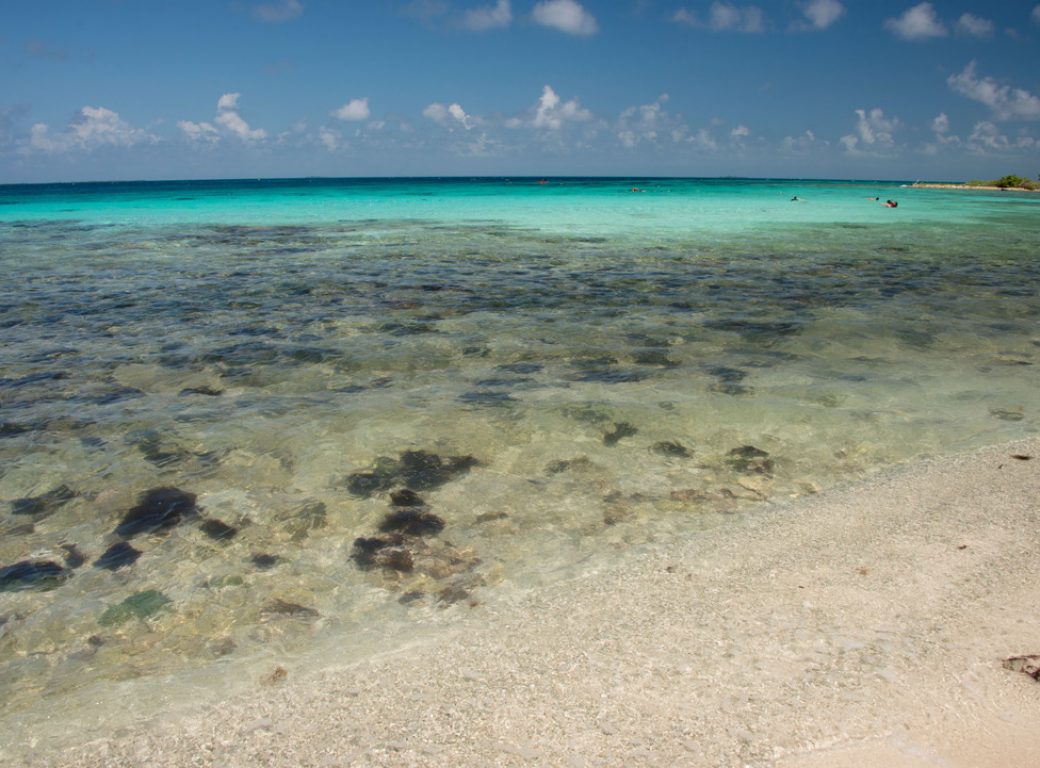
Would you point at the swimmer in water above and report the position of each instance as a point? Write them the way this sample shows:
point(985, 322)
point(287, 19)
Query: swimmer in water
point(891, 204)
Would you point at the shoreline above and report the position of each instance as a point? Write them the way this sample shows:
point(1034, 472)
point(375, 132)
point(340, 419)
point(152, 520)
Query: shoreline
point(862, 627)
point(985, 187)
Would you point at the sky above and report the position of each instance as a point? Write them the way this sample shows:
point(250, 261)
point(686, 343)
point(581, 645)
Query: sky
point(188, 89)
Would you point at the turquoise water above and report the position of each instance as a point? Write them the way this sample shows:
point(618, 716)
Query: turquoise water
point(562, 372)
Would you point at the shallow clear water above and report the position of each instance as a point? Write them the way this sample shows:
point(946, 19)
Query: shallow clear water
point(623, 368)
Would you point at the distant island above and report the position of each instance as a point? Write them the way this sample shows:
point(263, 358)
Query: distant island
point(1014, 183)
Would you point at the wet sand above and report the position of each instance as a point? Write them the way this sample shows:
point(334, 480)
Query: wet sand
point(862, 627)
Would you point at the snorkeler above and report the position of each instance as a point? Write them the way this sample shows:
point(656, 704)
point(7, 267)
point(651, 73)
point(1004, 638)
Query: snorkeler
point(891, 204)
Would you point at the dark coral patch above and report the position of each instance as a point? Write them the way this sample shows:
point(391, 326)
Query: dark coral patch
point(217, 530)
point(750, 459)
point(44, 504)
point(406, 497)
point(418, 470)
point(32, 574)
point(622, 429)
point(376, 552)
point(117, 556)
point(157, 510)
point(413, 522)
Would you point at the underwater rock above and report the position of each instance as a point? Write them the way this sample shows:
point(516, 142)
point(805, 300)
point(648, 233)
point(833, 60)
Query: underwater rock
point(264, 561)
point(406, 497)
point(671, 448)
point(578, 464)
point(654, 357)
point(32, 574)
point(157, 509)
point(7, 429)
point(750, 459)
point(522, 368)
point(217, 530)
point(305, 519)
point(280, 608)
point(1027, 665)
point(699, 495)
point(44, 504)
point(412, 522)
point(117, 556)
point(622, 429)
point(389, 553)
point(208, 391)
point(418, 470)
point(140, 605)
point(73, 557)
point(728, 380)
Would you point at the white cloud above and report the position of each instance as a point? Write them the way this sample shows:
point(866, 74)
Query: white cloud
point(353, 110)
point(281, 10)
point(873, 131)
point(228, 117)
point(974, 26)
point(567, 16)
point(199, 132)
point(551, 113)
point(1006, 103)
point(917, 23)
point(725, 17)
point(647, 123)
point(802, 143)
point(684, 16)
point(92, 127)
point(449, 115)
point(740, 132)
point(940, 126)
point(820, 14)
point(329, 138)
point(495, 16)
point(986, 136)
point(1035, 15)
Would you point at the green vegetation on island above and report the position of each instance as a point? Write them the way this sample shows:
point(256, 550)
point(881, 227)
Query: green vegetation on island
point(1007, 182)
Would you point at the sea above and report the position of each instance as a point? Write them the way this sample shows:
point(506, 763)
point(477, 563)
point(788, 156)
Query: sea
point(253, 429)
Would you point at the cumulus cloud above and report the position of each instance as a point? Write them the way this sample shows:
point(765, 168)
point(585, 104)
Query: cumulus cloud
point(802, 143)
point(725, 17)
point(329, 138)
point(873, 131)
point(566, 16)
point(986, 136)
point(647, 123)
point(917, 23)
point(353, 111)
point(228, 117)
point(448, 116)
point(551, 112)
point(203, 133)
point(495, 16)
point(973, 26)
point(740, 132)
point(91, 128)
point(1007, 103)
point(940, 126)
point(820, 14)
point(278, 11)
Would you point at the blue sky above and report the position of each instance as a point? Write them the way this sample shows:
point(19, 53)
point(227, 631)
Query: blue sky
point(149, 89)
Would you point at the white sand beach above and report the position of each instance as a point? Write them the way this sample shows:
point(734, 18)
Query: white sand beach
point(862, 627)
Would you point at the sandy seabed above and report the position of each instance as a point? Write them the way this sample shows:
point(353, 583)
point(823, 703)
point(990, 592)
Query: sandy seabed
point(862, 627)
